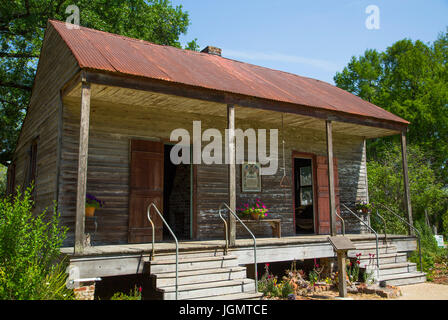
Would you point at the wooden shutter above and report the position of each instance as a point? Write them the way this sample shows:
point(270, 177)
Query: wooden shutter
point(323, 201)
point(146, 186)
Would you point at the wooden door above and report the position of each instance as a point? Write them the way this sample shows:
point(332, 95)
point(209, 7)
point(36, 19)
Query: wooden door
point(323, 195)
point(146, 186)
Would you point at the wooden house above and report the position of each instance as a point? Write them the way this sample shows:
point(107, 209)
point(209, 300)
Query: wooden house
point(103, 108)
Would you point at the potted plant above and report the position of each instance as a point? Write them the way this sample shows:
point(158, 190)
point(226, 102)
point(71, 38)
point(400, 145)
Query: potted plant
point(256, 211)
point(364, 207)
point(92, 203)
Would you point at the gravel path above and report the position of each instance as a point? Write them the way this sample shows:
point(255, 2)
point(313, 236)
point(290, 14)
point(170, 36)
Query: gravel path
point(424, 291)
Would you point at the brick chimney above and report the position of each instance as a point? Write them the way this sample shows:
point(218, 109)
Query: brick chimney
point(212, 50)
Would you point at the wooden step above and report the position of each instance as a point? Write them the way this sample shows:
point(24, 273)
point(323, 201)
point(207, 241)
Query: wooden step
point(209, 289)
point(198, 276)
point(402, 279)
point(235, 296)
point(184, 264)
point(395, 268)
point(371, 248)
point(386, 258)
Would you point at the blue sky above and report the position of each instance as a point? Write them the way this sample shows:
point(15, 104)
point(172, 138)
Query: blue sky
point(308, 38)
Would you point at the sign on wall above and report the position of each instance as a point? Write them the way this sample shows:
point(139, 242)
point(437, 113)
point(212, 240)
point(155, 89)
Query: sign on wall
point(250, 177)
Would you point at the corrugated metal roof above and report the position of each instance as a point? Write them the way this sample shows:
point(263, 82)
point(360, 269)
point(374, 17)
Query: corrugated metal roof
point(104, 51)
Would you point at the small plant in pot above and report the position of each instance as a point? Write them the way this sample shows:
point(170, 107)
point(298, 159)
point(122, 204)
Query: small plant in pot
point(256, 210)
point(364, 207)
point(92, 203)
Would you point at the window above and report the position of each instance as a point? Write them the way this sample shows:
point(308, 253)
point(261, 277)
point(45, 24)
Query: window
point(10, 187)
point(32, 165)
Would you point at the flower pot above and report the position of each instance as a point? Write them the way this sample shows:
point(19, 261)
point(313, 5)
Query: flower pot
point(90, 211)
point(255, 216)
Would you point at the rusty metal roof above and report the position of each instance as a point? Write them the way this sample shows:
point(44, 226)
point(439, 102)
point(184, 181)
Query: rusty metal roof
point(104, 51)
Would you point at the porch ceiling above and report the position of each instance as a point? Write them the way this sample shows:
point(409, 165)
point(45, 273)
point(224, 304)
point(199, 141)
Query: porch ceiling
point(176, 105)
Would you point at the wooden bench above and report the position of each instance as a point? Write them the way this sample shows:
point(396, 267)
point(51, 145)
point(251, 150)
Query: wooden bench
point(275, 225)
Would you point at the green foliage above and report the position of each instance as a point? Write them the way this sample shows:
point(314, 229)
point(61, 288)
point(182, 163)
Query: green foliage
point(428, 197)
point(410, 79)
point(30, 251)
point(269, 285)
point(431, 253)
point(134, 294)
point(22, 26)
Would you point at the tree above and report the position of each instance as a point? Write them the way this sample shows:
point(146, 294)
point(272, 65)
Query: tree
point(409, 79)
point(22, 27)
point(428, 197)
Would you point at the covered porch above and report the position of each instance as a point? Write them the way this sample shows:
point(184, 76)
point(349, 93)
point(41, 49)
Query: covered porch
point(116, 110)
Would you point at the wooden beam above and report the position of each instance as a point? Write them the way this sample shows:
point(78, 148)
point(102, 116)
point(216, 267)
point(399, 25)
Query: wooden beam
point(407, 193)
point(331, 192)
point(82, 168)
point(194, 92)
point(232, 172)
point(342, 273)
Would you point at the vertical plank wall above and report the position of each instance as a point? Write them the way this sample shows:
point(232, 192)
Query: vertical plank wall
point(113, 125)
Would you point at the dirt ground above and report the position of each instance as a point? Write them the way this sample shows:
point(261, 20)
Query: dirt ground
point(424, 291)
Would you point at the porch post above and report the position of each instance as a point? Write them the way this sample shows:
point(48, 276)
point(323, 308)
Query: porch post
point(232, 172)
point(331, 193)
point(407, 194)
point(82, 167)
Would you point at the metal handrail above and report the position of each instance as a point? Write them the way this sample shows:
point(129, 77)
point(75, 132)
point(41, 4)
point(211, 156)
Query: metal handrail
point(410, 225)
point(152, 204)
point(385, 225)
point(343, 223)
point(376, 236)
point(342, 220)
point(250, 232)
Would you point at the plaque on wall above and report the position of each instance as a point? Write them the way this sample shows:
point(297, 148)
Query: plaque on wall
point(250, 177)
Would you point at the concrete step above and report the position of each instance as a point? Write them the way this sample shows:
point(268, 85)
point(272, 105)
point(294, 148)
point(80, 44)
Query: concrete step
point(235, 296)
point(184, 264)
point(199, 276)
point(209, 289)
point(395, 268)
point(402, 279)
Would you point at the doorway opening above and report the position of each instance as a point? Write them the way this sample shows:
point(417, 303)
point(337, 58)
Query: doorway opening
point(304, 195)
point(177, 197)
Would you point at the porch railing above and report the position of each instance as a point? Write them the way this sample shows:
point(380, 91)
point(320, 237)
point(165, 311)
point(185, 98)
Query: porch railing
point(221, 207)
point(376, 238)
point(153, 205)
point(410, 225)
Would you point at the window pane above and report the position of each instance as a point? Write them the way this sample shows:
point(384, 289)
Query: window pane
point(306, 196)
point(305, 176)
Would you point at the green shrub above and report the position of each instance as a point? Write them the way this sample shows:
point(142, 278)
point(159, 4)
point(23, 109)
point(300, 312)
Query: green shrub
point(30, 266)
point(431, 253)
point(133, 295)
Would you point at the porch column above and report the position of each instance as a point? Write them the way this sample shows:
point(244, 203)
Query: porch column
point(407, 194)
point(331, 193)
point(232, 172)
point(82, 167)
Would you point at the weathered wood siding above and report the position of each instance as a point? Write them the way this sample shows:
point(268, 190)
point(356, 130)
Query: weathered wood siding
point(56, 66)
point(113, 125)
